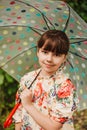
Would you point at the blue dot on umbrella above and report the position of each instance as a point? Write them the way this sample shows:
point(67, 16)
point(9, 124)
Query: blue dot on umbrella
point(65, 16)
point(56, 10)
point(28, 30)
point(33, 44)
point(76, 69)
point(18, 77)
point(1, 37)
point(8, 9)
point(19, 68)
point(28, 15)
point(43, 12)
point(1, 20)
point(6, 52)
point(83, 74)
point(73, 45)
point(22, 36)
point(38, 14)
point(72, 20)
point(35, 58)
point(71, 69)
point(85, 96)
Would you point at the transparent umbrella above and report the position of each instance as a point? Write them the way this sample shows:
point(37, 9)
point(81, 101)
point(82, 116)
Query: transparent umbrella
point(22, 22)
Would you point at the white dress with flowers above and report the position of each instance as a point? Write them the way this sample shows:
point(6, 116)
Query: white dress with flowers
point(54, 96)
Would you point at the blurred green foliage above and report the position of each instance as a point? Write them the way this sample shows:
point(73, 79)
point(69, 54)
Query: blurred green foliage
point(80, 7)
point(8, 86)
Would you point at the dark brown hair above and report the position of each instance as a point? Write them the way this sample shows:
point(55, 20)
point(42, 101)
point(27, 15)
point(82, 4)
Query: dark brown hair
point(55, 41)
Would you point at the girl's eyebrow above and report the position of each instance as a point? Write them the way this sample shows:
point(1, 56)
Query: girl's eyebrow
point(44, 50)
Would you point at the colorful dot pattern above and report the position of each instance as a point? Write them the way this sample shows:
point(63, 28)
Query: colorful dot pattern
point(22, 23)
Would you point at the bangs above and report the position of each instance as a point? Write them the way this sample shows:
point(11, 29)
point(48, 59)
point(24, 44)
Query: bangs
point(54, 41)
point(55, 47)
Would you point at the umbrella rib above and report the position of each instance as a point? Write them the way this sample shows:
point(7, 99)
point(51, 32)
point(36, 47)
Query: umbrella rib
point(18, 55)
point(70, 63)
point(66, 24)
point(46, 21)
point(44, 17)
point(32, 28)
point(78, 55)
point(78, 39)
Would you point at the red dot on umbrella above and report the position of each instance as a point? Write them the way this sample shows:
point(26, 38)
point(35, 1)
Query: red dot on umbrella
point(12, 2)
point(14, 22)
point(11, 47)
point(13, 13)
point(19, 48)
point(19, 17)
point(8, 57)
point(9, 19)
point(85, 42)
point(17, 41)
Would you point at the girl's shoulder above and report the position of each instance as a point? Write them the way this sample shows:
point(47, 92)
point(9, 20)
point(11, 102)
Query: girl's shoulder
point(61, 77)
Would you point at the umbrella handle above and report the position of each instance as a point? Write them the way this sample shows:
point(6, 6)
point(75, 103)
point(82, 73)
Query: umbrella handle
point(8, 121)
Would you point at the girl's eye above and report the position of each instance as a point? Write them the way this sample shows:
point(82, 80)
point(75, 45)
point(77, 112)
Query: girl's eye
point(45, 52)
point(57, 55)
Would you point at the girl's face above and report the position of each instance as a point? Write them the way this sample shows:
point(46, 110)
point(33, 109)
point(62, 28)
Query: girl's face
point(49, 62)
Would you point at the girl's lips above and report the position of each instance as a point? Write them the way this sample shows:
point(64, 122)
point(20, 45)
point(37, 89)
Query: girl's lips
point(48, 65)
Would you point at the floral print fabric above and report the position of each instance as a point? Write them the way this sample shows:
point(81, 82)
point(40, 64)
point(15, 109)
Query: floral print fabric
point(54, 96)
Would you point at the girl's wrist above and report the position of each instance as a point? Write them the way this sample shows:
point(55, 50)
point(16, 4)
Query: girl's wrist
point(29, 107)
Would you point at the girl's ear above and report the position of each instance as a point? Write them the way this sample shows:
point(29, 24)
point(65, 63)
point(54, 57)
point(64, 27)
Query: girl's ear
point(65, 58)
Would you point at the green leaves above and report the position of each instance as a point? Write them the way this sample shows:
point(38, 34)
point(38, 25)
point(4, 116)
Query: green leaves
point(8, 88)
point(1, 79)
point(9, 78)
point(80, 7)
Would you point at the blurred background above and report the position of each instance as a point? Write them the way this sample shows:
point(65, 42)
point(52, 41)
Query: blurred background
point(8, 86)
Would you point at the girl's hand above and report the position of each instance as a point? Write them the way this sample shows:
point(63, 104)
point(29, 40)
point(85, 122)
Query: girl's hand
point(26, 97)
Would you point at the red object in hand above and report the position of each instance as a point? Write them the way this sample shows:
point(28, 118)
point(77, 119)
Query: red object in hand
point(8, 121)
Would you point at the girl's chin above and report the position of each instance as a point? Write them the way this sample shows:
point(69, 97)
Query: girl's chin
point(48, 71)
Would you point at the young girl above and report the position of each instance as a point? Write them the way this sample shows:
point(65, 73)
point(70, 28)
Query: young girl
point(50, 102)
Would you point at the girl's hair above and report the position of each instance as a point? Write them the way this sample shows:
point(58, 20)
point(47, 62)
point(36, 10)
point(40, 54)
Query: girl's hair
point(55, 41)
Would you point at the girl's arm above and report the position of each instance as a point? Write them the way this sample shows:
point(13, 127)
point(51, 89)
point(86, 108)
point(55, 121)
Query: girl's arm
point(42, 120)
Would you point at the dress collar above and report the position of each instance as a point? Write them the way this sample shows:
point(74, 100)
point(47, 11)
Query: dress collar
point(57, 73)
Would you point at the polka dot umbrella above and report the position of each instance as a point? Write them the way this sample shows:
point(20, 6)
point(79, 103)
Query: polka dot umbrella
point(21, 24)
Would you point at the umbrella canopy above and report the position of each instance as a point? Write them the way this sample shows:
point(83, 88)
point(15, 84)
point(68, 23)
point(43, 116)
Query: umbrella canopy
point(22, 22)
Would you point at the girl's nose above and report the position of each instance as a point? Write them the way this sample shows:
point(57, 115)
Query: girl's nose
point(49, 57)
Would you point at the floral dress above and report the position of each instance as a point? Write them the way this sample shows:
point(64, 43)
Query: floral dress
point(54, 96)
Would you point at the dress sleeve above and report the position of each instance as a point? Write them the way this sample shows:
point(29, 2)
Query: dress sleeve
point(64, 103)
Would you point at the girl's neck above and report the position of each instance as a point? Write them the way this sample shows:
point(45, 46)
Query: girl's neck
point(46, 74)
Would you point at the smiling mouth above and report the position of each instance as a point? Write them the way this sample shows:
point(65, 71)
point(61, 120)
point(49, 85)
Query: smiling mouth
point(49, 65)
